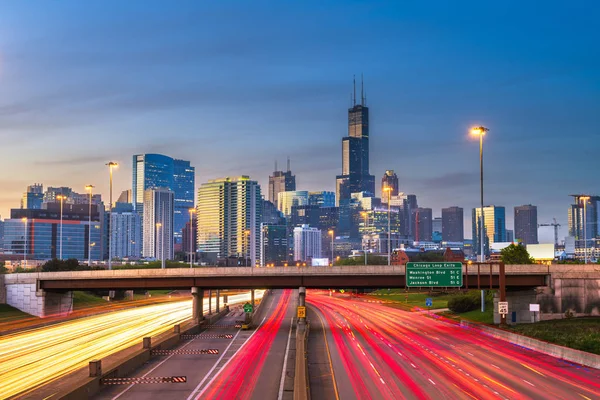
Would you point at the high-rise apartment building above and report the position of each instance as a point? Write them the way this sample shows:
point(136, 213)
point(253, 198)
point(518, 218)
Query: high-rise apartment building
point(152, 171)
point(436, 229)
point(494, 225)
point(389, 180)
point(279, 182)
point(355, 175)
point(526, 224)
point(307, 243)
point(33, 197)
point(453, 224)
point(275, 244)
point(158, 206)
point(321, 199)
point(125, 197)
point(592, 217)
point(229, 213)
point(286, 200)
point(423, 222)
point(126, 232)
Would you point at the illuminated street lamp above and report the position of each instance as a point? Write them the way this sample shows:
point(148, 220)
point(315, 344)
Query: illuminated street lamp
point(584, 199)
point(90, 188)
point(24, 219)
point(389, 192)
point(365, 215)
point(330, 232)
point(111, 165)
point(61, 198)
point(480, 131)
point(192, 211)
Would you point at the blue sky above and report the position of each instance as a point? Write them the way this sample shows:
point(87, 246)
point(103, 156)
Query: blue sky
point(234, 85)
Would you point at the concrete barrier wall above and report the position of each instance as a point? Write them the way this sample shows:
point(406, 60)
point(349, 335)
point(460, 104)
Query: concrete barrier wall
point(123, 363)
point(565, 353)
point(301, 381)
point(2, 290)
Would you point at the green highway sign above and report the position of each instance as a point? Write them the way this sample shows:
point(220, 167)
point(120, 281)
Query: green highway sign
point(248, 308)
point(434, 274)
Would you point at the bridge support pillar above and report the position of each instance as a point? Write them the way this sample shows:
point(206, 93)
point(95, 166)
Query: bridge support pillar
point(225, 305)
point(198, 304)
point(209, 301)
point(252, 297)
point(218, 301)
point(301, 302)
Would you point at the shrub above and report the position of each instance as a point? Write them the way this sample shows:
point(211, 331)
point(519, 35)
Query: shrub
point(461, 303)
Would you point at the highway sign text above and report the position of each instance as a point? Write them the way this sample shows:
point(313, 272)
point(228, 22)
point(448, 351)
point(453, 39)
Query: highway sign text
point(434, 274)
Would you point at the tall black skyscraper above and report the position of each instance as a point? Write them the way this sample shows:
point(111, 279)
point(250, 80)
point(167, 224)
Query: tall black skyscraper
point(526, 224)
point(453, 224)
point(355, 175)
point(390, 179)
point(281, 182)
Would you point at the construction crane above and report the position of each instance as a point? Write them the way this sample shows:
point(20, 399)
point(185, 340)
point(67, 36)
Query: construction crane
point(555, 225)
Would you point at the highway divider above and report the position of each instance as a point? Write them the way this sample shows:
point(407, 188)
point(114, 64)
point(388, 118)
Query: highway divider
point(301, 382)
point(554, 350)
point(85, 382)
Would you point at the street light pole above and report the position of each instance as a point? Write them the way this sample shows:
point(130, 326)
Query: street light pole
point(24, 219)
point(365, 214)
point(389, 192)
point(585, 200)
point(480, 131)
point(111, 165)
point(90, 187)
point(192, 211)
point(330, 232)
point(60, 198)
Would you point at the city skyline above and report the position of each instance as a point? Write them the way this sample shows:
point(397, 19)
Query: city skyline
point(300, 108)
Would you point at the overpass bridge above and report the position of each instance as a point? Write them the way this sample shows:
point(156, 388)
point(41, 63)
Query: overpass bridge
point(47, 292)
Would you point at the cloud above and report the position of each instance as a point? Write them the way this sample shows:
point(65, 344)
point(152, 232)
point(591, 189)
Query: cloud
point(450, 180)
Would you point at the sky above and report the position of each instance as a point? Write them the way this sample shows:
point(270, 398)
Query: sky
point(233, 86)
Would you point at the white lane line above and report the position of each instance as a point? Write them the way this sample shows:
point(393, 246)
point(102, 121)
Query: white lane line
point(495, 366)
point(193, 394)
point(287, 350)
point(471, 354)
point(431, 381)
point(414, 366)
point(529, 383)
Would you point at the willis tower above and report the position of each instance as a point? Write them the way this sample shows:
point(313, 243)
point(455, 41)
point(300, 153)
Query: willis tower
point(355, 175)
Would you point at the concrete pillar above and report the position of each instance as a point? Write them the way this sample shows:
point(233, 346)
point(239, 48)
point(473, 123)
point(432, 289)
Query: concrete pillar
point(225, 302)
point(177, 328)
point(95, 368)
point(198, 304)
point(252, 297)
point(147, 343)
point(209, 301)
point(218, 301)
point(301, 302)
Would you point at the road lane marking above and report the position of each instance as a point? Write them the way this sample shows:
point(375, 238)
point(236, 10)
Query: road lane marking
point(431, 381)
point(192, 395)
point(471, 354)
point(529, 383)
point(287, 351)
point(337, 396)
point(585, 397)
point(495, 366)
point(534, 370)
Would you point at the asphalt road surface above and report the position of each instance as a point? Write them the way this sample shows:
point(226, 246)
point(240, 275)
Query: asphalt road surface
point(379, 352)
point(248, 366)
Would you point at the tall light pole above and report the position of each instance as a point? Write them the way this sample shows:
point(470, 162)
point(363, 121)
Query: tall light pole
point(263, 258)
point(192, 211)
point(111, 165)
point(584, 199)
point(90, 188)
point(61, 198)
point(24, 219)
point(389, 192)
point(161, 244)
point(330, 232)
point(365, 215)
point(480, 131)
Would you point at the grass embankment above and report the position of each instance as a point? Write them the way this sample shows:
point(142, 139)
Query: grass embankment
point(576, 333)
point(10, 314)
point(409, 300)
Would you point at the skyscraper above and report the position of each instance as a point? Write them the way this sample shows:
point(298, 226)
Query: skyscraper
point(160, 171)
point(307, 243)
point(321, 199)
point(125, 197)
point(452, 224)
point(592, 219)
point(526, 224)
point(423, 223)
point(33, 197)
point(229, 213)
point(288, 199)
point(494, 225)
point(158, 223)
point(126, 227)
point(390, 179)
point(355, 175)
point(281, 182)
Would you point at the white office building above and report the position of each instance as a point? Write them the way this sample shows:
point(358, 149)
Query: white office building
point(307, 243)
point(126, 235)
point(158, 223)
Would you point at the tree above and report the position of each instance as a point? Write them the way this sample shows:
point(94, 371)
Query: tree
point(515, 254)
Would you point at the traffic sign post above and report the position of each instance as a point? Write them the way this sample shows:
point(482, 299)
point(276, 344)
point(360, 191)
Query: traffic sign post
point(301, 312)
point(503, 308)
point(248, 308)
point(429, 303)
point(434, 274)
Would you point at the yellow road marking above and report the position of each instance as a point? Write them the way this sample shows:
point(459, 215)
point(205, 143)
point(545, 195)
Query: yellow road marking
point(499, 384)
point(537, 372)
point(337, 396)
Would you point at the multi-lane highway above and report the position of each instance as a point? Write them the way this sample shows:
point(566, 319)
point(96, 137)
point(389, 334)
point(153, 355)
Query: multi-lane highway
point(38, 356)
point(378, 352)
point(250, 365)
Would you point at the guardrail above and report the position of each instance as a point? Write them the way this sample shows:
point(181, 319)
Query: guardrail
point(301, 382)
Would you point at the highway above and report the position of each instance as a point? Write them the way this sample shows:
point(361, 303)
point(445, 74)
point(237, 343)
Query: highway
point(248, 366)
point(38, 356)
point(378, 352)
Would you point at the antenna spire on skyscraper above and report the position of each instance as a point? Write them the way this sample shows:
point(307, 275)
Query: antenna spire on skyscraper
point(275, 165)
point(288, 164)
point(354, 85)
point(362, 90)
